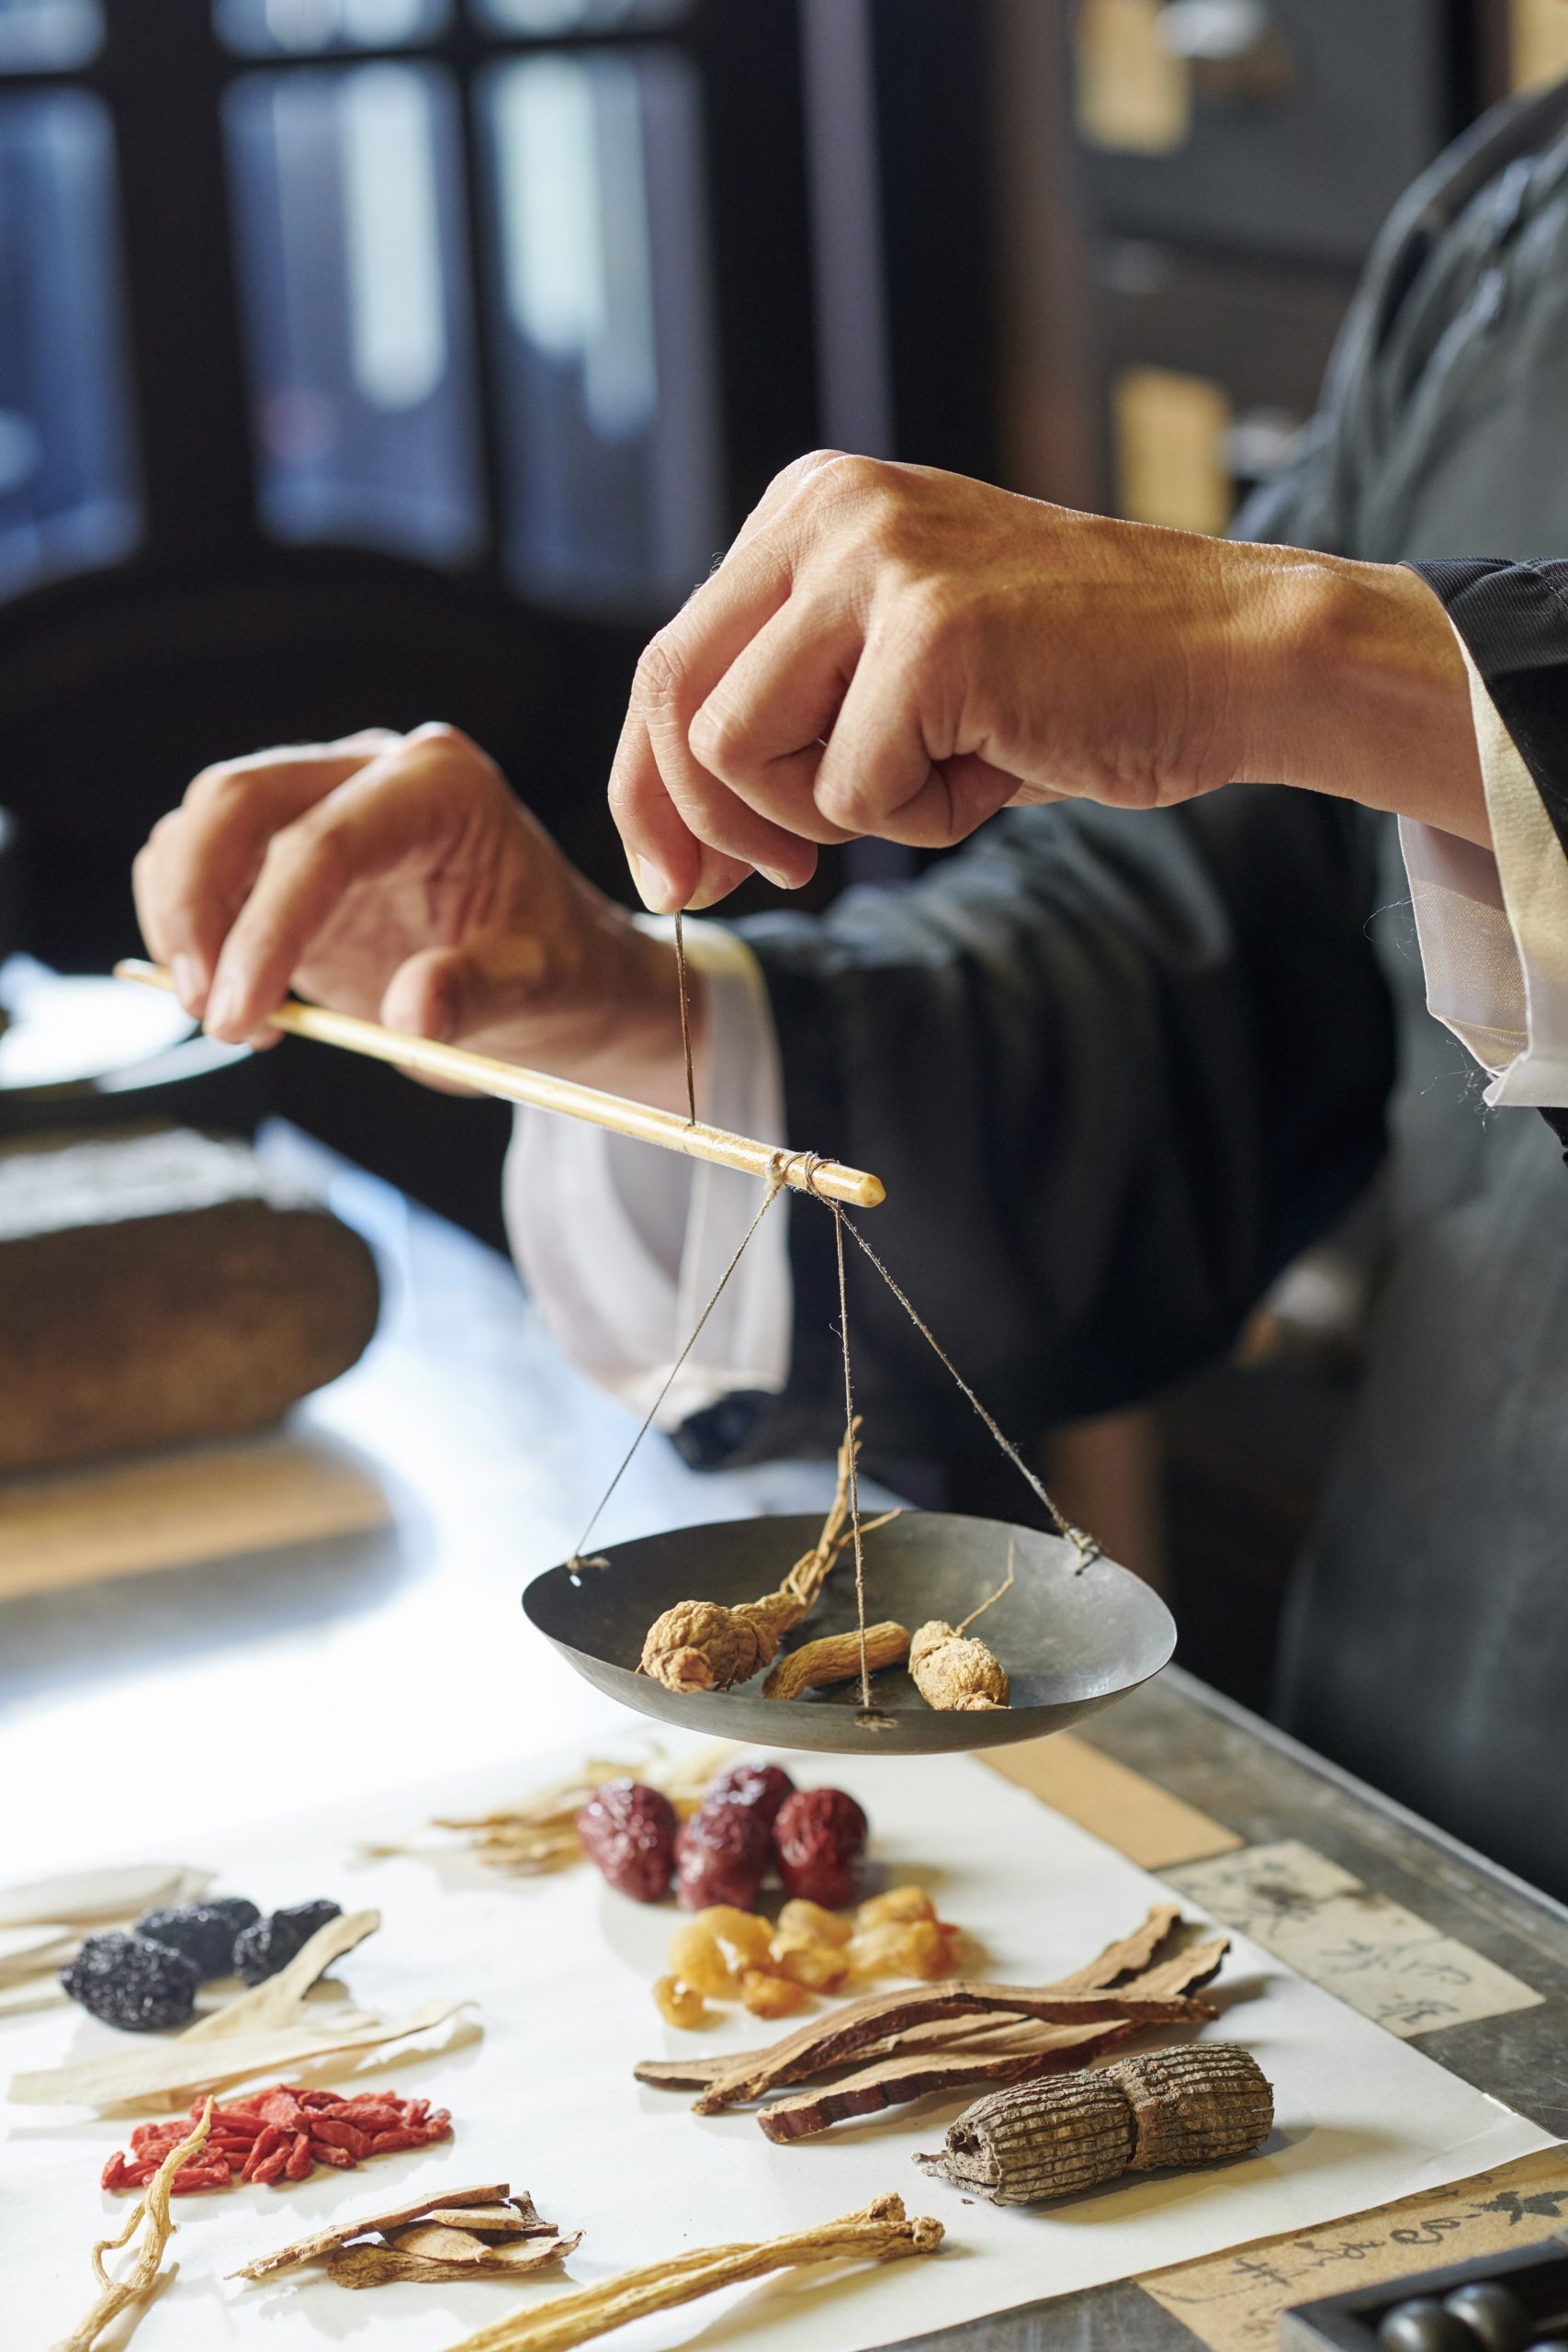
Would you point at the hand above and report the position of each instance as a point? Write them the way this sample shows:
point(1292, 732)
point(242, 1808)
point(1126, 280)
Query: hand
point(398, 878)
point(892, 650)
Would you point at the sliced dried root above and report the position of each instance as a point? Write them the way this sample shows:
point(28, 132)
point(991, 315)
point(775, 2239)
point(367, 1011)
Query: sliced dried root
point(280, 2000)
point(1168, 2107)
point(836, 1657)
point(881, 2233)
point(152, 2207)
point(451, 2234)
point(142, 2080)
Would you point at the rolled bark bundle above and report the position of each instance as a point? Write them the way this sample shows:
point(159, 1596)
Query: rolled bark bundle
point(1195, 2105)
point(1059, 2136)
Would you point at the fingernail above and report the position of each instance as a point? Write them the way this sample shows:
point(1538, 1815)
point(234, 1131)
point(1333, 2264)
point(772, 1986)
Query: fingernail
point(659, 894)
point(222, 1006)
point(185, 973)
point(780, 881)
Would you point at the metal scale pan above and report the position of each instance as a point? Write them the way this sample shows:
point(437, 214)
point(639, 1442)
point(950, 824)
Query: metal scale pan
point(1072, 1641)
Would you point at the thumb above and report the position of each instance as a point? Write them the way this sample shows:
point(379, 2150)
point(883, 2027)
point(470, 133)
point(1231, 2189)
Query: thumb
point(452, 995)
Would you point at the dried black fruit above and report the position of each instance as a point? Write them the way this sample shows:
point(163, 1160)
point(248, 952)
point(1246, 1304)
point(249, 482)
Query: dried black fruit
point(272, 1942)
point(130, 1980)
point(205, 1932)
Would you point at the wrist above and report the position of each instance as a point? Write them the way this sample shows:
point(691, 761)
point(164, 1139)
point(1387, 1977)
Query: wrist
point(1356, 687)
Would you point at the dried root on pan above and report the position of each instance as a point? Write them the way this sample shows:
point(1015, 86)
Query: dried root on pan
point(836, 1659)
point(881, 2233)
point(1166, 2108)
point(955, 1672)
point(703, 1646)
point(152, 2208)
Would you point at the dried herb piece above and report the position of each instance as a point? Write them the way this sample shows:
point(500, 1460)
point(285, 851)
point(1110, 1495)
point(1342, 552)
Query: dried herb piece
point(628, 1830)
point(540, 1834)
point(321, 2242)
point(836, 1657)
point(834, 2040)
point(119, 2294)
point(152, 2077)
point(881, 2233)
point(703, 1646)
point(1055, 2138)
point(280, 2136)
point(384, 2266)
point(280, 1998)
point(956, 1672)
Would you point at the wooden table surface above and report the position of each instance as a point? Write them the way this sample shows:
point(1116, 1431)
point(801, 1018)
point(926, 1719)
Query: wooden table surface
point(490, 1452)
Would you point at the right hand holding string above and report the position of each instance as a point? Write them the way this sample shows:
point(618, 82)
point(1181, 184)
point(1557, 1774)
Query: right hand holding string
point(398, 878)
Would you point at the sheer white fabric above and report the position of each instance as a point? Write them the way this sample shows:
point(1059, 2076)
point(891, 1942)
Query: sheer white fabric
point(621, 1246)
point(1493, 926)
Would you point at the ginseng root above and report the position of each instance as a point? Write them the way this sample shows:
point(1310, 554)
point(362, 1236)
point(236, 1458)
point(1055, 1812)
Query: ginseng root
point(703, 1646)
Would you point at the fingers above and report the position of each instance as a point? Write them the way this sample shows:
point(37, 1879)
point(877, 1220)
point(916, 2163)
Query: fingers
point(452, 994)
point(201, 861)
point(895, 764)
point(384, 816)
point(689, 836)
point(762, 729)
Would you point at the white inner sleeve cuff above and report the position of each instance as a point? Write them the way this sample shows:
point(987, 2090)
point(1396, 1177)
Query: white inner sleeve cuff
point(621, 1244)
point(1494, 925)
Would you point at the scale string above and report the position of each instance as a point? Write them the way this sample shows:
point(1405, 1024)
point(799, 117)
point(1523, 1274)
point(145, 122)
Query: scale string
point(1088, 1549)
point(775, 1186)
point(685, 1021)
point(852, 1451)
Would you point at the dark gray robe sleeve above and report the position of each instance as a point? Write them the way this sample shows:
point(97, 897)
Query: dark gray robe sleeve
point(1114, 1071)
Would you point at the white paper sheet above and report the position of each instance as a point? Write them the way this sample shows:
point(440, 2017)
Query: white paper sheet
point(545, 2099)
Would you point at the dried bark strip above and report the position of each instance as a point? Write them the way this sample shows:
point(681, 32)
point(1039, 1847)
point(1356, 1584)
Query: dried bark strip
point(836, 1657)
point(834, 2040)
point(1197, 1966)
point(1129, 1955)
point(152, 2205)
point(391, 2217)
point(881, 2233)
point(896, 2081)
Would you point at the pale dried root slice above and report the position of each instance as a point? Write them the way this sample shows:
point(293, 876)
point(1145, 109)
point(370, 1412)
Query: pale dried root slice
point(1055, 2138)
point(836, 1657)
point(157, 2080)
point(280, 2000)
point(955, 1672)
point(152, 2206)
point(881, 2233)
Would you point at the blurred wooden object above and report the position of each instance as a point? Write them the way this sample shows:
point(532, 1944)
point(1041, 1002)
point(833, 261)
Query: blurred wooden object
point(176, 1509)
point(159, 1287)
point(1538, 43)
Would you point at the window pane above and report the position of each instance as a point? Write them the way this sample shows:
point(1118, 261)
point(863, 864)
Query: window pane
point(67, 495)
point(576, 16)
point(608, 401)
point(348, 203)
point(48, 36)
point(303, 27)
